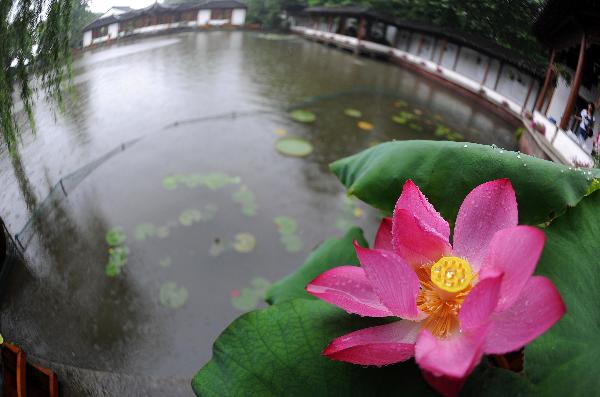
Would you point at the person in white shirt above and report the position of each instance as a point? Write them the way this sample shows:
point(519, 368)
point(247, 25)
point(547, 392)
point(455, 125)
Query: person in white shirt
point(586, 123)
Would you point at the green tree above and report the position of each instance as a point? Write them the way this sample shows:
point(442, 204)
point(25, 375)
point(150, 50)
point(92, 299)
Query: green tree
point(34, 41)
point(80, 17)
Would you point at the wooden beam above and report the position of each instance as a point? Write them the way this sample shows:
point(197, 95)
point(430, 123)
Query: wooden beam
point(330, 24)
point(575, 84)
point(457, 58)
point(542, 94)
point(498, 76)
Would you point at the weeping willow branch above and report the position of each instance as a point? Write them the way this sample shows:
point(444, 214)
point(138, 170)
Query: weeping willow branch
point(35, 54)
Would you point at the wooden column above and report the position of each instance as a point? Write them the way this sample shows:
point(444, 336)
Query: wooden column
point(433, 49)
point(542, 94)
point(487, 71)
point(341, 29)
point(360, 34)
point(574, 84)
point(528, 94)
point(442, 52)
point(457, 58)
point(420, 45)
point(409, 41)
point(330, 24)
point(499, 75)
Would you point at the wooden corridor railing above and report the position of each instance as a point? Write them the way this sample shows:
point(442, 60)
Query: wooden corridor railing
point(23, 379)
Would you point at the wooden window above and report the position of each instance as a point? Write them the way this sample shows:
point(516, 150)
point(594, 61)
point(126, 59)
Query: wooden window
point(221, 14)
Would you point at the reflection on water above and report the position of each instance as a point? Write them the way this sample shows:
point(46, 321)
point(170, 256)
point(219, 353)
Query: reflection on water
point(200, 250)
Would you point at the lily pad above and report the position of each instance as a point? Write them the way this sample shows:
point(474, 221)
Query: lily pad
point(303, 116)
point(115, 236)
point(163, 232)
point(217, 247)
point(172, 295)
point(353, 113)
point(246, 198)
point(244, 242)
point(286, 225)
point(365, 126)
point(416, 127)
point(399, 120)
point(261, 286)
point(166, 262)
point(218, 180)
point(292, 242)
point(189, 217)
point(144, 231)
point(294, 147)
point(117, 259)
point(280, 132)
point(247, 300)
point(170, 182)
point(400, 104)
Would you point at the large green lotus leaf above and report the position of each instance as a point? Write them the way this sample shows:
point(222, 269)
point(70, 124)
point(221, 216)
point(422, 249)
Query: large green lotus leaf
point(564, 360)
point(277, 352)
point(331, 253)
point(447, 171)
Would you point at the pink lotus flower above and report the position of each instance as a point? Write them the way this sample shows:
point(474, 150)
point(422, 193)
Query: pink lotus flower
point(455, 302)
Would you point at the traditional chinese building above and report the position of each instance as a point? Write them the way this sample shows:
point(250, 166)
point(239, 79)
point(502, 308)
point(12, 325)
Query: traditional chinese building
point(570, 30)
point(498, 77)
point(122, 21)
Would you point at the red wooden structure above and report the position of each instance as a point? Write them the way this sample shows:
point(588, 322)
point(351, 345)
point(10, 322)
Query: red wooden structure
point(23, 379)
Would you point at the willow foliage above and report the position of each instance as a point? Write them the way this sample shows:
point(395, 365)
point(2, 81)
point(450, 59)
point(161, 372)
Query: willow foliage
point(35, 54)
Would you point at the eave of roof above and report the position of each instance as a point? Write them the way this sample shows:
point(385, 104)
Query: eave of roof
point(157, 7)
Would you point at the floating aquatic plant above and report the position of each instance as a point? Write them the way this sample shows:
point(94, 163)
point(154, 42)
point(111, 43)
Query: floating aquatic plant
point(166, 262)
point(288, 228)
point(294, 147)
point(246, 198)
point(249, 297)
point(144, 231)
point(416, 127)
point(399, 120)
point(217, 247)
point(365, 125)
point(117, 259)
point(303, 116)
point(280, 132)
point(190, 216)
point(353, 113)
point(115, 236)
point(172, 295)
point(244, 242)
point(400, 104)
point(213, 181)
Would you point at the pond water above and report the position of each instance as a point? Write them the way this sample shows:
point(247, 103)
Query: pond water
point(136, 270)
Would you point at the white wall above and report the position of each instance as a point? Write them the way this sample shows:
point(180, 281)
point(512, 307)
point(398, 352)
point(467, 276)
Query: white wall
point(468, 65)
point(238, 17)
point(203, 17)
point(113, 30)
point(87, 38)
point(559, 99)
point(390, 34)
point(450, 56)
